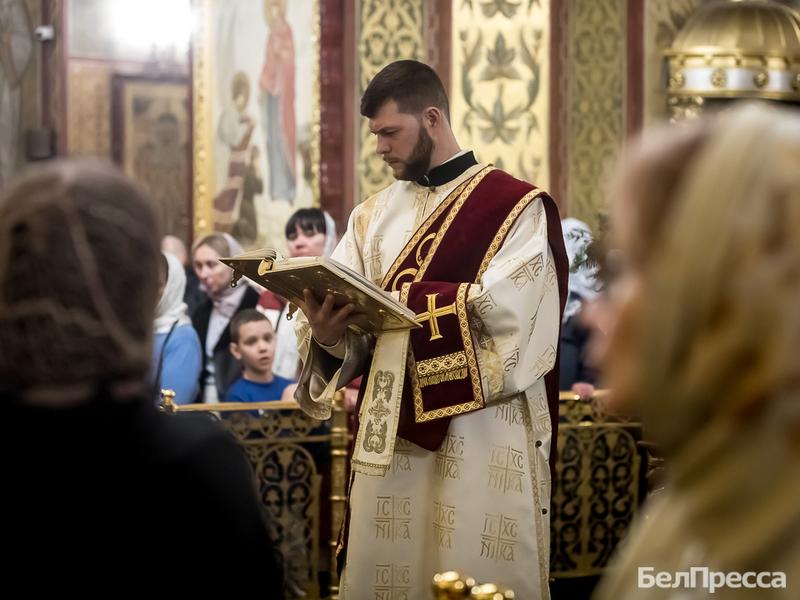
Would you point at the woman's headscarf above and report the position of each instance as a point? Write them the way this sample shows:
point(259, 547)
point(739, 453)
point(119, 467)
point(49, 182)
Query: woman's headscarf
point(582, 275)
point(330, 234)
point(229, 298)
point(78, 275)
point(171, 307)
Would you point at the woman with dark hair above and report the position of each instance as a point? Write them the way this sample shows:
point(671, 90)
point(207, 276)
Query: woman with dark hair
point(99, 481)
point(212, 318)
point(309, 232)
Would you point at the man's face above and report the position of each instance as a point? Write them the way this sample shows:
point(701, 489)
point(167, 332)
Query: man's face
point(402, 142)
point(256, 346)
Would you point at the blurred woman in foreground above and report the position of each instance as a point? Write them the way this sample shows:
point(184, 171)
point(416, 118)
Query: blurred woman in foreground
point(704, 348)
point(98, 480)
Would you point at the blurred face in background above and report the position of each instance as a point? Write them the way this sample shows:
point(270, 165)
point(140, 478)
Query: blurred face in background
point(214, 275)
point(305, 242)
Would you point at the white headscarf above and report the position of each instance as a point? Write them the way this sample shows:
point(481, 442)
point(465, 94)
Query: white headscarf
point(330, 234)
point(287, 358)
point(171, 307)
point(582, 276)
point(229, 298)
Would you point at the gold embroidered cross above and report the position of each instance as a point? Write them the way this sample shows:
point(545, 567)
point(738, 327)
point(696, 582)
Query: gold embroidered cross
point(433, 313)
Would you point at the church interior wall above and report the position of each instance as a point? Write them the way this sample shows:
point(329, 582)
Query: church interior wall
point(548, 90)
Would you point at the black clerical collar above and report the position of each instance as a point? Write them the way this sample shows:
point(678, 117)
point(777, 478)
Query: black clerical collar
point(448, 171)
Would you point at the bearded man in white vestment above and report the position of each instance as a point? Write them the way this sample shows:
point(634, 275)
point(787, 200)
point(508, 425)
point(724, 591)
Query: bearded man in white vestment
point(450, 464)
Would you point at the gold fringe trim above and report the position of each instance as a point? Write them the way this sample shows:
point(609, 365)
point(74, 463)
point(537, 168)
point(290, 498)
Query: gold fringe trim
point(442, 377)
point(448, 362)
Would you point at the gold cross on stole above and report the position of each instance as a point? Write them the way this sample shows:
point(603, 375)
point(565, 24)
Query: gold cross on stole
point(433, 313)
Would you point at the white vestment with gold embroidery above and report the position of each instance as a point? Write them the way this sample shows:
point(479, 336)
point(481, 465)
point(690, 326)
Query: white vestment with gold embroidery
point(480, 504)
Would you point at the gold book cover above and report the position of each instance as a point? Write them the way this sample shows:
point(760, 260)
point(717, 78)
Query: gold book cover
point(288, 277)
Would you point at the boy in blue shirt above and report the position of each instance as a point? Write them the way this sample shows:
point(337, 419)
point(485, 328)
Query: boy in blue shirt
point(253, 344)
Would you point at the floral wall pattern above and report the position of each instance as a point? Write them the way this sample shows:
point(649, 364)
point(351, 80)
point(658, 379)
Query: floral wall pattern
point(389, 30)
point(500, 74)
point(596, 96)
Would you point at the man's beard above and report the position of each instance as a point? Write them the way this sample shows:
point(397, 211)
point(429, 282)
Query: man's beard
point(417, 164)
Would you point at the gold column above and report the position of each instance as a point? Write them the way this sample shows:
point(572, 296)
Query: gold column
point(340, 438)
point(203, 136)
point(500, 91)
point(388, 30)
point(596, 117)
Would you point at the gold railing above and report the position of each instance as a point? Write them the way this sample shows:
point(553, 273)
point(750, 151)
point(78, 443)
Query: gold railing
point(596, 493)
point(598, 485)
point(295, 460)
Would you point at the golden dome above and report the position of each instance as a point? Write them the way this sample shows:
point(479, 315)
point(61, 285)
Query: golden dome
point(737, 48)
point(757, 27)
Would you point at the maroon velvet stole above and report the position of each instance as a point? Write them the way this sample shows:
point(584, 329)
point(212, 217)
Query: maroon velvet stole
point(449, 251)
point(452, 249)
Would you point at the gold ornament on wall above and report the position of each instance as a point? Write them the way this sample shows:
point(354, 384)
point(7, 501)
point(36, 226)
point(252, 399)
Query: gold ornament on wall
point(89, 110)
point(499, 100)
point(596, 93)
point(663, 20)
point(389, 30)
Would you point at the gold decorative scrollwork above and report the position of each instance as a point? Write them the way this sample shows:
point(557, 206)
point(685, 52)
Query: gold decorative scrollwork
point(289, 452)
point(89, 110)
point(597, 487)
point(596, 120)
point(389, 30)
point(289, 486)
point(294, 458)
point(499, 102)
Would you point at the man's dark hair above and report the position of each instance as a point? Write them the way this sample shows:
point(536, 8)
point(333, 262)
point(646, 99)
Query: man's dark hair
point(309, 220)
point(243, 317)
point(410, 83)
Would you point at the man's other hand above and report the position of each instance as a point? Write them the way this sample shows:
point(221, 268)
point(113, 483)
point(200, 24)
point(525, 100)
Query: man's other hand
point(328, 322)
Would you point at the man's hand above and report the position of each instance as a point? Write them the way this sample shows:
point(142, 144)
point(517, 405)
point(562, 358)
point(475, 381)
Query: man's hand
point(328, 323)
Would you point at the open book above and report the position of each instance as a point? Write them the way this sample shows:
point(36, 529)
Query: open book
point(288, 277)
